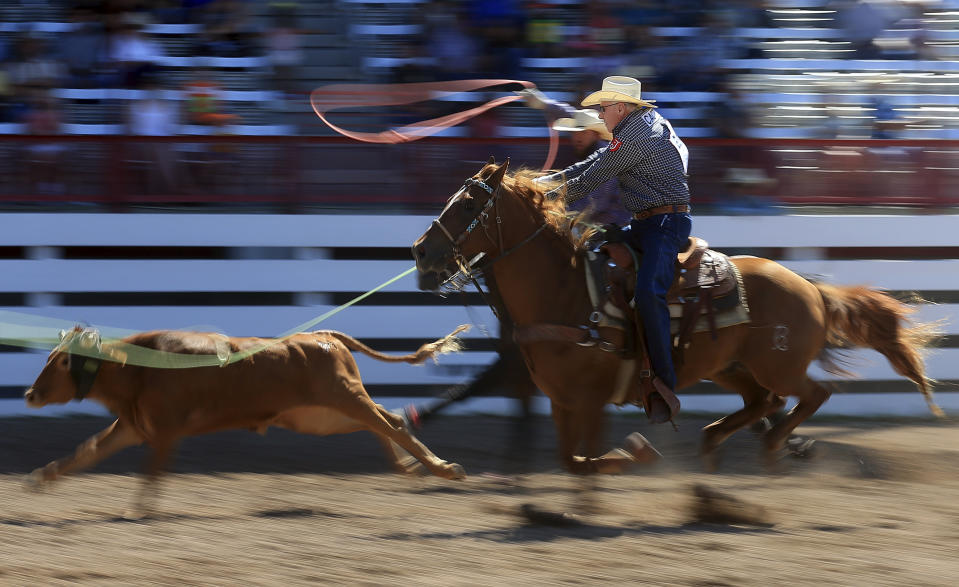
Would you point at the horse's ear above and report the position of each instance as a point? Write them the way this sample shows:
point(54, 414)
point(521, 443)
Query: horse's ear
point(497, 176)
point(491, 160)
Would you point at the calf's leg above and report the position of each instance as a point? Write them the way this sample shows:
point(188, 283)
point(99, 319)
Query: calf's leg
point(114, 437)
point(360, 407)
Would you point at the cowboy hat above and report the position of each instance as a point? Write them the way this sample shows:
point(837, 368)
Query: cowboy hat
point(584, 120)
point(618, 88)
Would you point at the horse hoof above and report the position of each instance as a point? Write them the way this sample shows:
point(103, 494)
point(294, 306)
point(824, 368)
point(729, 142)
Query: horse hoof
point(711, 459)
point(761, 426)
point(456, 472)
point(640, 449)
point(801, 447)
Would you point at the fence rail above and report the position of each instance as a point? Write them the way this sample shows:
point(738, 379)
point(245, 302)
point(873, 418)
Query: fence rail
point(263, 274)
point(310, 173)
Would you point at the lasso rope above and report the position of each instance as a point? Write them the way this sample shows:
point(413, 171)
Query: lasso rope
point(25, 335)
point(338, 96)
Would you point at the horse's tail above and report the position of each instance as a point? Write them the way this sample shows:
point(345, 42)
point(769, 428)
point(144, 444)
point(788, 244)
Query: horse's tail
point(447, 344)
point(859, 316)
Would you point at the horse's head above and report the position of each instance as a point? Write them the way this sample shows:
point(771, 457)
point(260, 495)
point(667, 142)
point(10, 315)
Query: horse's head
point(452, 243)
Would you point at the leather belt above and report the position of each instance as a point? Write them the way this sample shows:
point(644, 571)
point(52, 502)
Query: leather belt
point(671, 209)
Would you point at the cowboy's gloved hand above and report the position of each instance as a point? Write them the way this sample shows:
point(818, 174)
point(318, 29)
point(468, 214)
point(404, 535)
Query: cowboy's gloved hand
point(534, 98)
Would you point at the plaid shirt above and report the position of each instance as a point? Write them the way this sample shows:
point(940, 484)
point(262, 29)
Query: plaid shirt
point(645, 155)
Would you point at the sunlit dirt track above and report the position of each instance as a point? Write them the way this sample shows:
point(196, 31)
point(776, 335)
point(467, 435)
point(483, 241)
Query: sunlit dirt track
point(877, 505)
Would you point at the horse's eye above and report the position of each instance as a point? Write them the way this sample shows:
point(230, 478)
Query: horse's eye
point(469, 203)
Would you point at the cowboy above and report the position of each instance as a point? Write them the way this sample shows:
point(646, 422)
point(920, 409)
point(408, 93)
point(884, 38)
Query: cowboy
point(588, 134)
point(650, 162)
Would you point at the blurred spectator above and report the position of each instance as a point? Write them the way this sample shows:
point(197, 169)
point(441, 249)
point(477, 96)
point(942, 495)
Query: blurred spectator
point(500, 25)
point(44, 160)
point(748, 190)
point(417, 66)
point(861, 22)
point(203, 96)
point(133, 54)
point(283, 50)
point(544, 31)
point(750, 14)
point(6, 95)
point(83, 48)
point(605, 31)
point(227, 29)
point(32, 68)
point(195, 10)
point(204, 107)
point(153, 114)
point(29, 70)
point(731, 115)
point(452, 44)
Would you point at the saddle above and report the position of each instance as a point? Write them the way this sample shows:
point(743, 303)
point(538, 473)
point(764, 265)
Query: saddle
point(706, 295)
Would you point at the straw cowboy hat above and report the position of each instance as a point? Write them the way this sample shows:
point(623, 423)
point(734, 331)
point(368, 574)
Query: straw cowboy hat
point(618, 88)
point(584, 120)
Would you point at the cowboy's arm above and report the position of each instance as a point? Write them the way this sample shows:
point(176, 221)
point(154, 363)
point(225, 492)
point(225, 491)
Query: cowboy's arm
point(572, 171)
point(552, 109)
point(604, 164)
point(555, 110)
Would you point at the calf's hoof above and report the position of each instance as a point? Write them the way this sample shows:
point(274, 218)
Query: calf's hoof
point(40, 479)
point(34, 482)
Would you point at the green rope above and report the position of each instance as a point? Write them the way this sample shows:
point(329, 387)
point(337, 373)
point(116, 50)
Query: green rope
point(20, 335)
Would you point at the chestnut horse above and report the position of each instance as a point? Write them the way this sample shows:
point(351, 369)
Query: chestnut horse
point(536, 261)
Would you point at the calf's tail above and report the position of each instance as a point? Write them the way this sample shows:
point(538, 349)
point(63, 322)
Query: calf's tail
point(859, 316)
point(448, 344)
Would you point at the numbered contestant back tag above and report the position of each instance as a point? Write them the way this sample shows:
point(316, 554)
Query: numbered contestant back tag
point(650, 117)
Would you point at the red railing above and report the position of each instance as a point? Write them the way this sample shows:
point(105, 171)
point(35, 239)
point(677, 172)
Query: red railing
point(302, 172)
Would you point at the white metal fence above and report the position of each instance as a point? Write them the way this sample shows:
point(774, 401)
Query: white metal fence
point(262, 275)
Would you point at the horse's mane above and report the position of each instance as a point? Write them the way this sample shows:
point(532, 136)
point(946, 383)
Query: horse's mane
point(553, 211)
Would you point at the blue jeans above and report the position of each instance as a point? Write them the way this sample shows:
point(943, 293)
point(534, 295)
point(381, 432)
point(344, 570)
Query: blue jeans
point(659, 239)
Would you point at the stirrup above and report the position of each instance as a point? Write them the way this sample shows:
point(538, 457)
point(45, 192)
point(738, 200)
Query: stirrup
point(660, 402)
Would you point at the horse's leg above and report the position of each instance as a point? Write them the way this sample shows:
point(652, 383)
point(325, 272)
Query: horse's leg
point(811, 396)
point(758, 402)
point(568, 436)
point(520, 447)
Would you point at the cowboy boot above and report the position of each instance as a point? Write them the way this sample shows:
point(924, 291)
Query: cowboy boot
point(659, 401)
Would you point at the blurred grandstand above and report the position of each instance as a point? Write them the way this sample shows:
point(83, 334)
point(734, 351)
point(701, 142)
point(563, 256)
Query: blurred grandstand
point(205, 102)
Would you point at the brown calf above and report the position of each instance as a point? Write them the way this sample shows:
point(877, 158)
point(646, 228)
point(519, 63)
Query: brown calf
point(308, 383)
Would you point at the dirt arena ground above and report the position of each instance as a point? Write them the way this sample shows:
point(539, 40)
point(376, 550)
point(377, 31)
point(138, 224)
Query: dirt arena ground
point(877, 505)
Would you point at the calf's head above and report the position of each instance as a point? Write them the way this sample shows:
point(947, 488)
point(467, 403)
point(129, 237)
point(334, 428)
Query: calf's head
point(70, 369)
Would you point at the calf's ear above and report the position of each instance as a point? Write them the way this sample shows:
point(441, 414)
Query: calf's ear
point(90, 339)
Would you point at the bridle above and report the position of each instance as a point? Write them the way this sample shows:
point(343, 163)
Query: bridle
point(466, 266)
